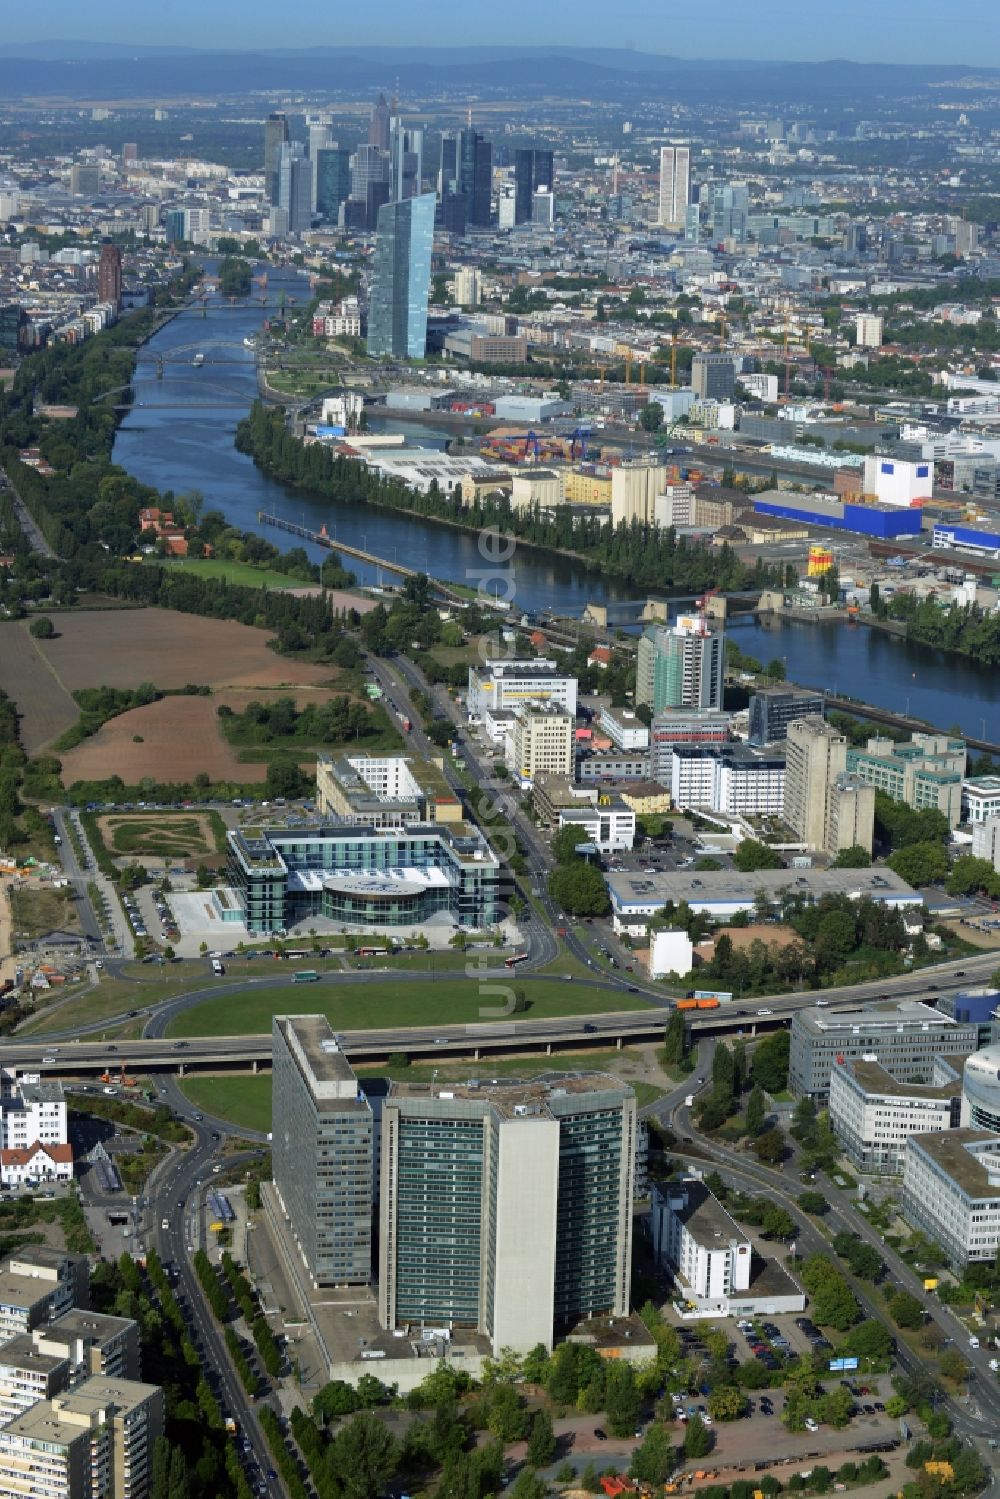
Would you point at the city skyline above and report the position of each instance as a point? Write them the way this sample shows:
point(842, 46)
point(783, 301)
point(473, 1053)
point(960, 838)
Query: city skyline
point(776, 31)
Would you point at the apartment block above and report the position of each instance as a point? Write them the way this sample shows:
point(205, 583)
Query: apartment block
point(39, 1284)
point(905, 1038)
point(94, 1343)
point(980, 798)
point(34, 1137)
point(94, 1442)
point(322, 1151)
point(873, 1114)
point(540, 741)
point(28, 1375)
point(825, 807)
point(681, 665)
point(951, 1191)
point(506, 1207)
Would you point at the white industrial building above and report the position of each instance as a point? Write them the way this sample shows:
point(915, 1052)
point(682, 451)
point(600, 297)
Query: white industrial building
point(898, 481)
point(951, 1191)
point(873, 1115)
point(670, 952)
point(712, 1259)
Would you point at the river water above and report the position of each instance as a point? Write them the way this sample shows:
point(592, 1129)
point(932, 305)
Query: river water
point(179, 436)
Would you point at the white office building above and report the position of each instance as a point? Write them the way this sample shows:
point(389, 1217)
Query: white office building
point(951, 1191)
point(980, 798)
point(711, 1258)
point(873, 1115)
point(540, 742)
point(731, 779)
point(675, 185)
point(627, 731)
point(986, 840)
point(607, 823)
point(981, 1090)
point(508, 684)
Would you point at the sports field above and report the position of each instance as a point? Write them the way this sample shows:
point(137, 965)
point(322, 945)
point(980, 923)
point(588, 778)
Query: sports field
point(189, 835)
point(397, 1003)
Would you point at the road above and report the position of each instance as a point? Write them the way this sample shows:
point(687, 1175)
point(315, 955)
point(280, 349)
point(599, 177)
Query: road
point(32, 534)
point(979, 1421)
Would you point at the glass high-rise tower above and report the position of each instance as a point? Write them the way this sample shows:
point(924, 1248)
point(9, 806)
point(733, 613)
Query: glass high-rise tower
point(397, 315)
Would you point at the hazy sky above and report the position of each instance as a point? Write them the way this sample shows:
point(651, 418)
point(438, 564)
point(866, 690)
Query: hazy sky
point(866, 30)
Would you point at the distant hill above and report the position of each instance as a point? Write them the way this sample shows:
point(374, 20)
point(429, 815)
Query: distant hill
point(76, 69)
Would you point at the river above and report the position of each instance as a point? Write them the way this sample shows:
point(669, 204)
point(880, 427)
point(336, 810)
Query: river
point(179, 436)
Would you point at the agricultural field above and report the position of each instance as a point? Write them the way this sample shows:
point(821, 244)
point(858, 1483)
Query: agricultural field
point(169, 649)
point(164, 835)
point(46, 707)
point(172, 740)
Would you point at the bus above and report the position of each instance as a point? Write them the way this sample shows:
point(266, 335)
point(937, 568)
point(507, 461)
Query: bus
point(305, 976)
point(372, 952)
point(515, 958)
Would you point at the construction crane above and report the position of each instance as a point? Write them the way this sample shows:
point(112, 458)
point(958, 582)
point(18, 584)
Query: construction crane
point(581, 434)
point(673, 358)
point(628, 366)
point(531, 441)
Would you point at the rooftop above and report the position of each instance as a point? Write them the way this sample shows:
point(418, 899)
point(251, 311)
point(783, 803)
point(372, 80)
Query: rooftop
point(710, 887)
point(22, 1353)
point(516, 1097)
point(900, 1015)
point(325, 1069)
point(961, 1154)
point(704, 1217)
point(873, 1078)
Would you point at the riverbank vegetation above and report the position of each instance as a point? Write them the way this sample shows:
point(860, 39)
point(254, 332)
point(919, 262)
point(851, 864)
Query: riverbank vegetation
point(647, 556)
point(964, 629)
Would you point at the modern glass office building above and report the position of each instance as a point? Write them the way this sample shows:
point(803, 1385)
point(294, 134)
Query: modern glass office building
point(397, 315)
point(507, 1207)
point(363, 876)
point(333, 180)
point(322, 1150)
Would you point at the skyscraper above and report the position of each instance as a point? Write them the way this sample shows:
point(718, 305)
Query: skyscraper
point(448, 171)
point(507, 1207)
point(333, 180)
point(406, 160)
point(295, 187)
point(109, 276)
point(322, 1151)
point(681, 666)
point(370, 181)
point(275, 136)
point(532, 169)
point(397, 317)
point(475, 168)
point(378, 128)
point(675, 175)
point(319, 139)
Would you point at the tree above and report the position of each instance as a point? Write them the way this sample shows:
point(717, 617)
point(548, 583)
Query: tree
point(528, 1485)
point(723, 1069)
point(804, 1119)
point(697, 1439)
point(541, 1441)
point(653, 1460)
point(651, 417)
point(920, 863)
point(335, 1399)
point(769, 1147)
point(579, 888)
point(621, 1398)
point(854, 857)
point(752, 855)
point(675, 1044)
point(777, 1222)
point(953, 1366)
point(769, 1065)
point(756, 1111)
point(775, 670)
point(506, 1415)
point(812, 1202)
point(727, 1403)
point(42, 628)
point(906, 1311)
point(833, 1303)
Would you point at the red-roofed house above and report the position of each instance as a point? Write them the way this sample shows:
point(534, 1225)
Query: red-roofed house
point(600, 656)
point(36, 1163)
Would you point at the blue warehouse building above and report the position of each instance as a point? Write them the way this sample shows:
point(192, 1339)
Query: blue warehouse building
point(967, 539)
point(883, 522)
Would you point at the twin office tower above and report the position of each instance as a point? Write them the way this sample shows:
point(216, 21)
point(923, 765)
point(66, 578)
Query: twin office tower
point(503, 1207)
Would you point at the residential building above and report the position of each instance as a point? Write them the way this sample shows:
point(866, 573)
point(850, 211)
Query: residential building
point(528, 1227)
point(322, 1151)
point(533, 169)
point(927, 772)
point(39, 1284)
point(772, 709)
point(712, 1259)
point(873, 1114)
point(468, 286)
point(93, 1442)
point(397, 318)
point(822, 805)
point(92, 1343)
point(541, 740)
point(27, 1375)
point(275, 136)
point(868, 330)
point(905, 1038)
point(681, 665)
point(506, 684)
point(721, 894)
point(951, 1192)
point(384, 791)
point(980, 798)
point(34, 1135)
point(363, 876)
point(713, 377)
point(109, 276)
point(675, 185)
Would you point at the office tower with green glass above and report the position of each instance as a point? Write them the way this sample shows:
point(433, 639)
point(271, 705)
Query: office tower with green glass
point(506, 1207)
point(322, 1151)
point(397, 316)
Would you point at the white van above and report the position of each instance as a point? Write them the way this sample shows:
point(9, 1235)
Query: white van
point(217, 966)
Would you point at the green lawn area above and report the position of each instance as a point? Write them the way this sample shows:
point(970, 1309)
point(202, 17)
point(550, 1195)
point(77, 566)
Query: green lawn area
point(394, 1002)
point(112, 998)
point(246, 1101)
point(239, 573)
